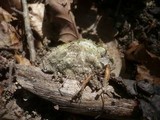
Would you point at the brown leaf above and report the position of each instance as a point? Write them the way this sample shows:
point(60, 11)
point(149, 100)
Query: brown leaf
point(131, 53)
point(8, 35)
point(5, 16)
point(144, 74)
point(22, 60)
point(149, 61)
point(141, 55)
point(58, 15)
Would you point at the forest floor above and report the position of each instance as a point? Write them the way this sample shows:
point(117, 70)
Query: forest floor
point(134, 24)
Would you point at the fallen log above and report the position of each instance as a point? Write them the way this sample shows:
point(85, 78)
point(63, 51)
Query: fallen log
point(61, 93)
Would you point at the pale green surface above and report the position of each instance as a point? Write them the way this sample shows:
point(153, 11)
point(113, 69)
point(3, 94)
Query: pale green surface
point(76, 59)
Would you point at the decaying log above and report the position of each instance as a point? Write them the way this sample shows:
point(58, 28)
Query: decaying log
point(34, 80)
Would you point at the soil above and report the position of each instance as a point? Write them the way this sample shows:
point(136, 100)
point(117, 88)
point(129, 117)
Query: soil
point(128, 22)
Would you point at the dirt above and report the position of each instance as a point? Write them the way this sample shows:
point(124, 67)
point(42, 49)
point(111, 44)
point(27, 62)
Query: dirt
point(131, 23)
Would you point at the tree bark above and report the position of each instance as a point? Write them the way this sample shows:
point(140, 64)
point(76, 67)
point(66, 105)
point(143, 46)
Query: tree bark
point(34, 80)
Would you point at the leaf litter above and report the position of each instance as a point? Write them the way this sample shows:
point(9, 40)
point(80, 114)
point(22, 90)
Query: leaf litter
point(91, 22)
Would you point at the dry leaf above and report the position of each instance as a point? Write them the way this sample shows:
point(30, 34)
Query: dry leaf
point(149, 61)
point(22, 60)
point(5, 16)
point(58, 16)
point(36, 14)
point(8, 36)
point(141, 55)
point(144, 74)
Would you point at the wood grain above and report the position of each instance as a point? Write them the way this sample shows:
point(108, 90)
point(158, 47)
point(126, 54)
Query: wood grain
point(34, 80)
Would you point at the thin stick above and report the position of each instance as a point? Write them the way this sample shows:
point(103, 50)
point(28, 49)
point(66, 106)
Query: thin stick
point(80, 92)
point(30, 38)
point(10, 76)
point(16, 10)
point(85, 82)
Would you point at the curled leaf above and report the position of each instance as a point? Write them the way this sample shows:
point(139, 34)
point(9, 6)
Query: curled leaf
point(58, 16)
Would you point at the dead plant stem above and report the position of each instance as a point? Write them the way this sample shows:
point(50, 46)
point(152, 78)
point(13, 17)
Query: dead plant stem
point(29, 34)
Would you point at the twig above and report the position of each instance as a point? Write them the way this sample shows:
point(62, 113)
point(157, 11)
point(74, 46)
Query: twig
point(30, 38)
point(106, 88)
point(79, 94)
point(11, 65)
point(16, 10)
point(93, 27)
point(85, 82)
point(105, 81)
point(10, 77)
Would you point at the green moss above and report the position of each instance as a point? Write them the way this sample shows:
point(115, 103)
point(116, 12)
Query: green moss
point(76, 59)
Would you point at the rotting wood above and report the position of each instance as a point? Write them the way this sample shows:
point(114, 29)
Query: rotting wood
point(34, 80)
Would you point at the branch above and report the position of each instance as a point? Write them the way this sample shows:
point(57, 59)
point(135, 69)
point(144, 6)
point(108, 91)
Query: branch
point(34, 80)
point(29, 34)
